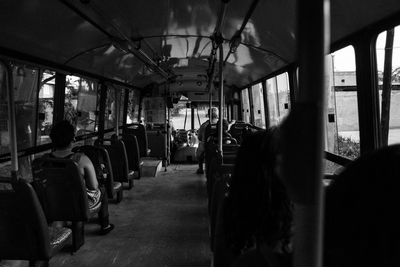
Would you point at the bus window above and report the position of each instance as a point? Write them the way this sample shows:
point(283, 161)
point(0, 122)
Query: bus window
point(388, 62)
point(109, 112)
point(80, 104)
point(25, 82)
point(181, 115)
point(342, 127)
point(278, 96)
point(4, 135)
point(133, 107)
point(46, 105)
point(245, 105)
point(121, 100)
point(258, 105)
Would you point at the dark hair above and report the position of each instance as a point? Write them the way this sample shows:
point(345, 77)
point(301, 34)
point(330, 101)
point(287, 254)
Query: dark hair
point(258, 206)
point(62, 134)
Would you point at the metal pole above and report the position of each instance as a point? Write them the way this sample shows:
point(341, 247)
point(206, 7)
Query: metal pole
point(12, 123)
point(303, 133)
point(221, 98)
point(116, 110)
point(166, 129)
point(102, 111)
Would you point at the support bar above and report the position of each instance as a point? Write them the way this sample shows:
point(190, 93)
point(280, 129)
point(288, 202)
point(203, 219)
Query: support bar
point(303, 133)
point(221, 99)
point(236, 38)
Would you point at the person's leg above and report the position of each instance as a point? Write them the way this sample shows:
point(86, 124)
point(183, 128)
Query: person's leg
point(200, 159)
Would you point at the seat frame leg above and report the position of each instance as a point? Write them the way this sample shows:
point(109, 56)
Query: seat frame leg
point(120, 195)
point(78, 235)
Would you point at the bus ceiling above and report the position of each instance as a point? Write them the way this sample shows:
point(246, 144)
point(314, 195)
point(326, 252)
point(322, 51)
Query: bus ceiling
point(137, 44)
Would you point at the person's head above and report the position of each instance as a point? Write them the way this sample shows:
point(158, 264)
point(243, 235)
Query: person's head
point(62, 134)
point(213, 113)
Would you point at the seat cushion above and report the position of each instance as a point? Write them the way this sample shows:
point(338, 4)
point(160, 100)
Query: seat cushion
point(117, 186)
point(59, 236)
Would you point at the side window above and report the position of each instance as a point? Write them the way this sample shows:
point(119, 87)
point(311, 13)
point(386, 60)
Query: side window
point(46, 105)
point(258, 105)
point(4, 134)
point(388, 66)
point(342, 127)
point(133, 106)
point(245, 105)
point(109, 115)
point(25, 82)
point(278, 96)
point(80, 104)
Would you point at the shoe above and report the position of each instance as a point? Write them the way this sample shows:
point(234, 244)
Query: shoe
point(107, 229)
point(200, 171)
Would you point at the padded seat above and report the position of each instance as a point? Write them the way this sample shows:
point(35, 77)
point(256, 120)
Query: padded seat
point(139, 131)
point(62, 193)
point(133, 154)
point(119, 161)
point(24, 233)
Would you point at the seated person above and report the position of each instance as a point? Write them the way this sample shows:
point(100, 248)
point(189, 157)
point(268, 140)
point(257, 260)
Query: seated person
point(227, 137)
point(62, 135)
point(258, 217)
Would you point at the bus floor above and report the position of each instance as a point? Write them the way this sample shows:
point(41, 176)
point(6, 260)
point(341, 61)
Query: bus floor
point(162, 221)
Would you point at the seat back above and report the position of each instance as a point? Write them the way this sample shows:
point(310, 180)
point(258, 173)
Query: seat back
point(139, 131)
point(156, 140)
point(361, 207)
point(118, 157)
point(23, 228)
point(132, 151)
point(61, 189)
point(239, 130)
point(99, 157)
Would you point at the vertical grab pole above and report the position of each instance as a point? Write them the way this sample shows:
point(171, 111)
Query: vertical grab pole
point(304, 133)
point(116, 110)
point(221, 98)
point(11, 123)
point(166, 129)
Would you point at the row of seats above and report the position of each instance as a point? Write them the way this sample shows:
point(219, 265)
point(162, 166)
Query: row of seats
point(58, 193)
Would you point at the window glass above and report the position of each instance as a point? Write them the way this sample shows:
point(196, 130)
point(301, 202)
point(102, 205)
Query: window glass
point(245, 105)
point(258, 105)
point(46, 105)
point(109, 115)
point(4, 134)
point(278, 96)
point(80, 104)
point(342, 127)
point(25, 82)
point(388, 53)
point(133, 106)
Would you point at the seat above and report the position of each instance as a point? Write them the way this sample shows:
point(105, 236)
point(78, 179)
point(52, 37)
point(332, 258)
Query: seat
point(119, 161)
point(139, 131)
point(102, 164)
point(132, 151)
point(62, 193)
point(361, 207)
point(24, 233)
point(156, 142)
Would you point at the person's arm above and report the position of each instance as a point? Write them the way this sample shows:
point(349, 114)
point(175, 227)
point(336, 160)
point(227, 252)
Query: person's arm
point(89, 173)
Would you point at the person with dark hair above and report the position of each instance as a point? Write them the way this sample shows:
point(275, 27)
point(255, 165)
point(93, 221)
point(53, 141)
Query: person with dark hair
point(259, 213)
point(62, 135)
